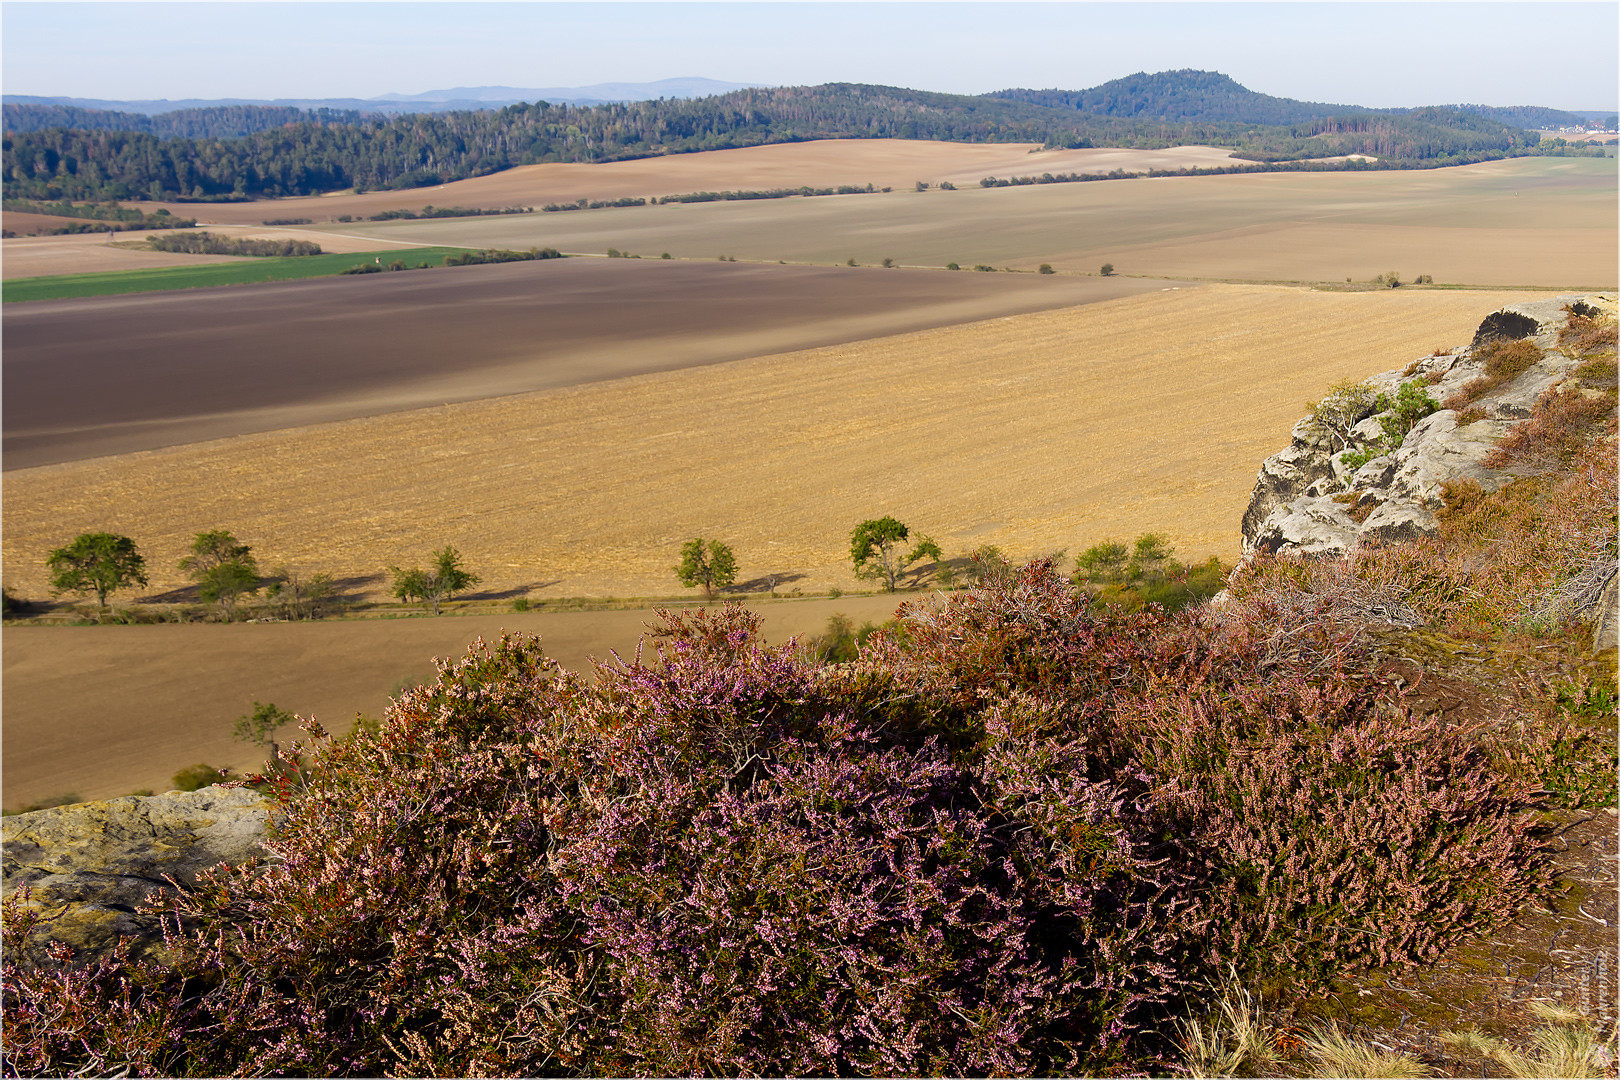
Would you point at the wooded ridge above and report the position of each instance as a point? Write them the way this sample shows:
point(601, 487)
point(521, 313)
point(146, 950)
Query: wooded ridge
point(274, 154)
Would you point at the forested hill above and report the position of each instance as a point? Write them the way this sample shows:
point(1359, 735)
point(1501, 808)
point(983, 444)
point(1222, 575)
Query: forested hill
point(1526, 116)
point(1183, 95)
point(311, 155)
point(1210, 97)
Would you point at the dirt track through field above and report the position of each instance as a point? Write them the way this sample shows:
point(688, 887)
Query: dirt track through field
point(110, 375)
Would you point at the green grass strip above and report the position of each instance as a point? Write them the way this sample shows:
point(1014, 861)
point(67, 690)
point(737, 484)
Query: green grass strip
point(244, 272)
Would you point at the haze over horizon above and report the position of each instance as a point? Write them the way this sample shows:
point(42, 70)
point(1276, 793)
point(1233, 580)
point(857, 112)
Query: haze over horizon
point(1379, 55)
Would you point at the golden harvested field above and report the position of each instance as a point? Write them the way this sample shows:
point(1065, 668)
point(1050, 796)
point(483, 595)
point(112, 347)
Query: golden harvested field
point(1031, 432)
point(101, 711)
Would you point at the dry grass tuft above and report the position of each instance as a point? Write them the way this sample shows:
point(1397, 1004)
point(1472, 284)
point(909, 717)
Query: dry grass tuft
point(1233, 1041)
point(1334, 1054)
point(1504, 361)
point(1569, 1045)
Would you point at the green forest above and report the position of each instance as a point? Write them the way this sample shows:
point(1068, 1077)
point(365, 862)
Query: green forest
point(311, 153)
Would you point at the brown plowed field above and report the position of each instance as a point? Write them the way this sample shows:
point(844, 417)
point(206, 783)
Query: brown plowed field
point(109, 375)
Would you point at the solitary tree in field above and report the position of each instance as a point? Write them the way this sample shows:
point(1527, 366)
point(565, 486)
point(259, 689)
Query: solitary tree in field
point(434, 586)
point(96, 563)
point(875, 547)
point(223, 569)
point(711, 565)
point(1107, 269)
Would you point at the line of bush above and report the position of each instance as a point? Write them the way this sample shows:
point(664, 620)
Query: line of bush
point(431, 211)
point(207, 243)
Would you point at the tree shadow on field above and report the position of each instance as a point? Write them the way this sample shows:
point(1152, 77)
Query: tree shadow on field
point(509, 594)
point(765, 583)
point(345, 588)
point(186, 595)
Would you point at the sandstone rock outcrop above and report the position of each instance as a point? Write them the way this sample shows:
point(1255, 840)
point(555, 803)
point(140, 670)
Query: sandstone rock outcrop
point(1320, 497)
point(90, 866)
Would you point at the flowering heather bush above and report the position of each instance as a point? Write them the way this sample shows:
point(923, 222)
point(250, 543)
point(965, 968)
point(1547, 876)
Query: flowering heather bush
point(1561, 425)
point(1012, 837)
point(1307, 820)
point(1525, 557)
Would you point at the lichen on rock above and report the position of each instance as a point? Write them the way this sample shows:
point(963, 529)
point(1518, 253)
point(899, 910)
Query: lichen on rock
point(88, 868)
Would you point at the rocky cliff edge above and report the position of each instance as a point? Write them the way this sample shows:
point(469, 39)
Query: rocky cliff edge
point(1351, 476)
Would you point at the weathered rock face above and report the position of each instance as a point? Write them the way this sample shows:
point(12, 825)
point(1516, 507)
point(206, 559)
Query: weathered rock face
point(89, 867)
point(1318, 498)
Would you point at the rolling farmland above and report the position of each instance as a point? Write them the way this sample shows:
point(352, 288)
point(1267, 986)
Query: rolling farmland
point(346, 425)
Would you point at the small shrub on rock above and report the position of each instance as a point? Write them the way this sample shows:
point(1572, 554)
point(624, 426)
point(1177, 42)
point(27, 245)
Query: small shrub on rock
point(1562, 422)
point(1504, 558)
point(198, 776)
point(1504, 361)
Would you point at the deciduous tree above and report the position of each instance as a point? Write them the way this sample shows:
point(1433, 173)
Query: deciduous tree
point(434, 586)
point(711, 565)
point(223, 569)
point(298, 597)
point(97, 563)
point(876, 546)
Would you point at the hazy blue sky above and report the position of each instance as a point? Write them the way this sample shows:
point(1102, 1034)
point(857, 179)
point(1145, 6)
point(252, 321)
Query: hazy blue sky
point(1379, 54)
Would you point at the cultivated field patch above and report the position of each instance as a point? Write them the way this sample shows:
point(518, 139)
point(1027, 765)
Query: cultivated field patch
point(110, 375)
point(1538, 222)
point(1031, 432)
point(227, 270)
